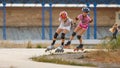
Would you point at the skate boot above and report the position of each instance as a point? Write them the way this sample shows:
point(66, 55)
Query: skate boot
point(67, 45)
point(49, 48)
point(79, 47)
point(59, 49)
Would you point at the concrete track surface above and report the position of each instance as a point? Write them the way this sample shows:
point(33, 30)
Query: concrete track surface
point(19, 58)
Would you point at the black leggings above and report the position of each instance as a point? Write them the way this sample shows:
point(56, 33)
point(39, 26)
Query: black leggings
point(114, 34)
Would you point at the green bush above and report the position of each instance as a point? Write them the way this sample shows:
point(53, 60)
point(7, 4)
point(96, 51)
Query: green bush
point(115, 44)
point(38, 46)
point(112, 45)
point(59, 61)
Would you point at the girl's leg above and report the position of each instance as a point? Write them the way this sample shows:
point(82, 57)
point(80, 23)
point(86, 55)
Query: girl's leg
point(55, 36)
point(72, 36)
point(63, 36)
point(60, 48)
point(74, 32)
point(114, 36)
point(54, 40)
point(79, 37)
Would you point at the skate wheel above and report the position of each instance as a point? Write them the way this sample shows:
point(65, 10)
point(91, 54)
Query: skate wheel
point(46, 50)
point(59, 51)
point(56, 50)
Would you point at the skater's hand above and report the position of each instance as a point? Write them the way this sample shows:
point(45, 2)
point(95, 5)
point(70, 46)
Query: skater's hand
point(76, 18)
point(74, 25)
point(91, 20)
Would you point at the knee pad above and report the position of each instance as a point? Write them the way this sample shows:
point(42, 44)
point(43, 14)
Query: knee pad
point(74, 33)
point(63, 36)
point(78, 37)
point(55, 35)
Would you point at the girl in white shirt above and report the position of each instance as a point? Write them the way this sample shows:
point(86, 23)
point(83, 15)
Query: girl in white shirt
point(64, 28)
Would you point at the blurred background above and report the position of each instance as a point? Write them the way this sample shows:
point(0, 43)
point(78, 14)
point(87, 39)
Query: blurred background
point(38, 19)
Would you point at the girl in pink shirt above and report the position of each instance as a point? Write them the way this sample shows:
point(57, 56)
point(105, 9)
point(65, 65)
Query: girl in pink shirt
point(81, 28)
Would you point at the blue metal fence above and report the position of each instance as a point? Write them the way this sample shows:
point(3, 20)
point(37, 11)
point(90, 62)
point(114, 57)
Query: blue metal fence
point(4, 19)
point(66, 1)
point(95, 21)
point(88, 31)
point(50, 18)
point(50, 2)
point(43, 21)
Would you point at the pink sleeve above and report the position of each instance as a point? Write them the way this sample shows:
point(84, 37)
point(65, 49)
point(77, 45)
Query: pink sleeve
point(89, 18)
point(80, 17)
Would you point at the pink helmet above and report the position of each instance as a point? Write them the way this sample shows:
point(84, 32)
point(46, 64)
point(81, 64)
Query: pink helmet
point(63, 14)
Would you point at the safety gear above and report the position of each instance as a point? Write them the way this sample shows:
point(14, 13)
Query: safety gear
point(60, 49)
point(63, 36)
point(73, 34)
point(53, 42)
point(55, 35)
point(78, 37)
point(85, 9)
point(63, 15)
point(68, 43)
point(79, 47)
point(49, 48)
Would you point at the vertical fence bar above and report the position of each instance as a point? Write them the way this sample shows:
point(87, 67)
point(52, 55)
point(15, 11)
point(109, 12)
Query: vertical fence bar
point(4, 20)
point(43, 20)
point(88, 30)
point(95, 21)
point(50, 19)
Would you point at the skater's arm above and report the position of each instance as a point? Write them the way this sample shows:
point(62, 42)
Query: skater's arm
point(76, 20)
point(73, 24)
point(91, 20)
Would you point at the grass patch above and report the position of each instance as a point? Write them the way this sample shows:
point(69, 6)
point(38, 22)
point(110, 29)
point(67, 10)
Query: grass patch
point(104, 56)
point(112, 45)
point(59, 61)
point(27, 44)
point(111, 53)
point(38, 46)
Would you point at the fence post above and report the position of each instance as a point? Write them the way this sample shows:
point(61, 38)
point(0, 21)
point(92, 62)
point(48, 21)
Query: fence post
point(4, 20)
point(50, 19)
point(88, 30)
point(95, 21)
point(43, 20)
